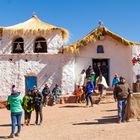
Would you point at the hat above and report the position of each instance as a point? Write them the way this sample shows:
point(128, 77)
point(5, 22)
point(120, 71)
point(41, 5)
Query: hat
point(29, 90)
point(34, 87)
point(13, 89)
point(116, 75)
point(93, 72)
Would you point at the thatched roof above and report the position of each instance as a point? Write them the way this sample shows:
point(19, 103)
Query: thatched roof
point(34, 25)
point(95, 35)
point(1, 31)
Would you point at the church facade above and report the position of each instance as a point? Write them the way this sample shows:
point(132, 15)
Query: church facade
point(32, 53)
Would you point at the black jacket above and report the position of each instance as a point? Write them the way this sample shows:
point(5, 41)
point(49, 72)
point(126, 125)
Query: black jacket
point(38, 99)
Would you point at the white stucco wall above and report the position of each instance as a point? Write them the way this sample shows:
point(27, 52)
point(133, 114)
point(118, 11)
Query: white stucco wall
point(136, 67)
point(119, 58)
point(53, 39)
point(58, 68)
point(52, 67)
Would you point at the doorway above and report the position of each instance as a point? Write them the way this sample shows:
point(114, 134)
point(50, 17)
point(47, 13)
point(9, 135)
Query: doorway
point(101, 66)
point(30, 82)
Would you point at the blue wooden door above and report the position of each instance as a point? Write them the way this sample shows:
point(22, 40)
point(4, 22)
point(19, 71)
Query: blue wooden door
point(30, 82)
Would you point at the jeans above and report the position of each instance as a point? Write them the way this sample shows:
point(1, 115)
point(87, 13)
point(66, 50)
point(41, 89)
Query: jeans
point(16, 119)
point(39, 113)
point(121, 109)
point(27, 115)
point(89, 97)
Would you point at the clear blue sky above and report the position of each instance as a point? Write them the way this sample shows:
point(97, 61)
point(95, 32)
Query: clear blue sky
point(78, 16)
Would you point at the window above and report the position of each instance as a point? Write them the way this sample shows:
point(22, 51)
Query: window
point(100, 49)
point(18, 45)
point(40, 45)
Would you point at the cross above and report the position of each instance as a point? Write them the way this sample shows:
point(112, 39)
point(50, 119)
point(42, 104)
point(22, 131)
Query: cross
point(100, 23)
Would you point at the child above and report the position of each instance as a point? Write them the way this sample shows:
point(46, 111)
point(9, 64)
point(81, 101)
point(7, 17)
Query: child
point(28, 107)
point(79, 93)
point(89, 91)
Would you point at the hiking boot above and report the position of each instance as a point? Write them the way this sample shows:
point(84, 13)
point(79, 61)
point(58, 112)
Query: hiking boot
point(119, 121)
point(87, 106)
point(17, 134)
point(91, 105)
point(25, 123)
point(11, 135)
point(28, 123)
point(123, 120)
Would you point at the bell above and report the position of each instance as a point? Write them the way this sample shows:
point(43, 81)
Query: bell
point(18, 47)
point(39, 46)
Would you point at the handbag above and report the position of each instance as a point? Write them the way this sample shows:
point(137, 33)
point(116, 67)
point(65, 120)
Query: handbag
point(8, 106)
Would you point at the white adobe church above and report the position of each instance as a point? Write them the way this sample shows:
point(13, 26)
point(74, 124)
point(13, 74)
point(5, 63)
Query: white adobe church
point(32, 53)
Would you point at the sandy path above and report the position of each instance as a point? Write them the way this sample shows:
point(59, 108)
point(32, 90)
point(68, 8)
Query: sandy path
point(75, 122)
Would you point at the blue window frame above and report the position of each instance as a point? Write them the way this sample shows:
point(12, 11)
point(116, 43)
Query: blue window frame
point(30, 82)
point(100, 49)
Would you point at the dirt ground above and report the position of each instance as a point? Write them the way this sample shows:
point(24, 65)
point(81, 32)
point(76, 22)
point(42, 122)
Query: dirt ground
point(75, 122)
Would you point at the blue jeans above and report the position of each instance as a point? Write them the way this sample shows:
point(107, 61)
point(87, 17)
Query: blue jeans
point(121, 109)
point(16, 119)
point(89, 97)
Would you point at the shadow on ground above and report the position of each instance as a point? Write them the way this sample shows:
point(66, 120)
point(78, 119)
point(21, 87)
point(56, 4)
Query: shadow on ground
point(104, 120)
point(111, 110)
point(9, 125)
point(72, 106)
point(4, 137)
point(5, 125)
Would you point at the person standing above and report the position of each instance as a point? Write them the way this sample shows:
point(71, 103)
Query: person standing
point(115, 80)
point(82, 78)
point(121, 93)
point(89, 71)
point(38, 104)
point(102, 85)
point(28, 107)
point(15, 102)
point(81, 82)
point(56, 92)
point(79, 93)
point(93, 77)
point(89, 91)
point(45, 93)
